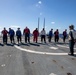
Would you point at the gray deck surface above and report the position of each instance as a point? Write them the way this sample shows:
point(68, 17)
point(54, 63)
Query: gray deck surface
point(36, 59)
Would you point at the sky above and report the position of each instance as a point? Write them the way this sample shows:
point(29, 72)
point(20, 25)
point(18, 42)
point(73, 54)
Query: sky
point(58, 14)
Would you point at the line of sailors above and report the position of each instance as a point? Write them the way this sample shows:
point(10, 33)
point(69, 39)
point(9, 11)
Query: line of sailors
point(26, 33)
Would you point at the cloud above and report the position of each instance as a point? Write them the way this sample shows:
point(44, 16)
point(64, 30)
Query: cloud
point(52, 22)
point(41, 13)
point(14, 26)
point(37, 5)
point(40, 2)
point(58, 27)
point(1, 29)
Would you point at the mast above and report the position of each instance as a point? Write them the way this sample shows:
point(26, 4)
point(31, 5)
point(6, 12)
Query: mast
point(44, 24)
point(38, 23)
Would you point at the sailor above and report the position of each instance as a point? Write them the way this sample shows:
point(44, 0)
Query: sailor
point(11, 34)
point(43, 35)
point(19, 34)
point(35, 34)
point(71, 40)
point(4, 32)
point(26, 32)
point(64, 35)
point(56, 35)
point(50, 35)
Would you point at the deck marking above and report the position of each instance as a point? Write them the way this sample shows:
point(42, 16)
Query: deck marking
point(3, 65)
point(64, 46)
point(38, 52)
point(52, 74)
point(55, 48)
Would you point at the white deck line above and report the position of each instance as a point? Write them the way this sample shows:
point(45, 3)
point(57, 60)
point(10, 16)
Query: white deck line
point(64, 46)
point(38, 52)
